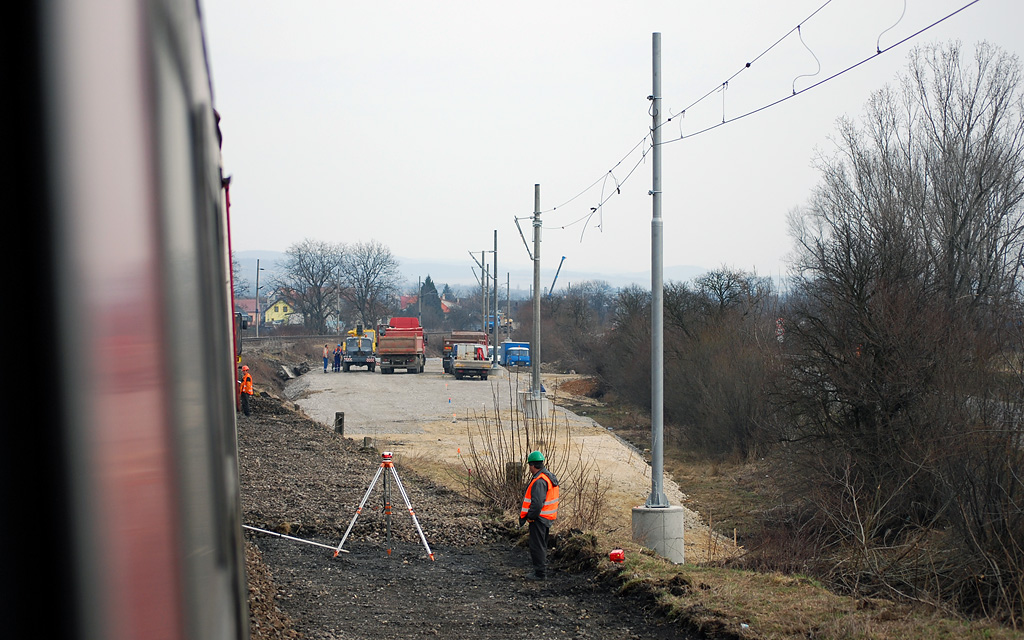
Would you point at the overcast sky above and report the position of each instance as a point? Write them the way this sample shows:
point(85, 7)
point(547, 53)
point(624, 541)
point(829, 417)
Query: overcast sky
point(425, 125)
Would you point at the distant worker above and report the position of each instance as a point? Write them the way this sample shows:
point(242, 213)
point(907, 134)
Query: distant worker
point(246, 389)
point(540, 508)
point(337, 358)
point(327, 355)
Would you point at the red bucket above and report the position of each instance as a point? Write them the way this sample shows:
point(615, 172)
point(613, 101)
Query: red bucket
point(617, 555)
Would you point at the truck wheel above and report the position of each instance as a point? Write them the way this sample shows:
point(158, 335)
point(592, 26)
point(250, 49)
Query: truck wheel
point(483, 376)
point(458, 375)
point(345, 367)
point(371, 368)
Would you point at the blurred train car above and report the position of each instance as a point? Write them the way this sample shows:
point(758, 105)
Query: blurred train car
point(119, 501)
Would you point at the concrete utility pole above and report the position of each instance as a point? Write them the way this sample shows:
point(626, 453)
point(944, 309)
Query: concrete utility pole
point(657, 497)
point(483, 289)
point(257, 318)
point(657, 524)
point(535, 343)
point(494, 356)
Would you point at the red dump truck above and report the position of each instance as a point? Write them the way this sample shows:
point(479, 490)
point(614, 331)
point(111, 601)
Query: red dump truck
point(400, 345)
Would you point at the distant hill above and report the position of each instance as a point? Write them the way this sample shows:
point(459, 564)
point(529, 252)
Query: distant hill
point(268, 263)
point(460, 274)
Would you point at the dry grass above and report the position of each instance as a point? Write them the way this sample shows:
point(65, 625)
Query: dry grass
point(730, 496)
point(702, 595)
point(770, 606)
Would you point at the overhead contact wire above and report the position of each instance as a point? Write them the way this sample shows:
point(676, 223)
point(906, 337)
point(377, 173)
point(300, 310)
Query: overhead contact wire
point(828, 79)
point(603, 177)
point(722, 85)
point(725, 121)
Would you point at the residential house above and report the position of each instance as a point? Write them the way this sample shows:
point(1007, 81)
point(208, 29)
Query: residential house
point(247, 307)
point(405, 302)
point(278, 312)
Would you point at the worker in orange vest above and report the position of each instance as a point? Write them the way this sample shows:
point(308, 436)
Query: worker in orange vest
point(540, 508)
point(246, 389)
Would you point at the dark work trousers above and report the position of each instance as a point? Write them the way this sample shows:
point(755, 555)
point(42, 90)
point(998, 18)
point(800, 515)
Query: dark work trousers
point(539, 546)
point(245, 403)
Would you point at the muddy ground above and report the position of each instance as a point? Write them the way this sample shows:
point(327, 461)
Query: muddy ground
point(301, 479)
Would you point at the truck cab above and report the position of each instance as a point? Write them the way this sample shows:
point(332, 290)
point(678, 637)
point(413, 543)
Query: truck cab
point(358, 351)
point(515, 354)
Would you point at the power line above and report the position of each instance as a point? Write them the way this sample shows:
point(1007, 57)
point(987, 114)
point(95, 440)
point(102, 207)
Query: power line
point(719, 87)
point(618, 184)
point(600, 205)
point(603, 177)
point(796, 93)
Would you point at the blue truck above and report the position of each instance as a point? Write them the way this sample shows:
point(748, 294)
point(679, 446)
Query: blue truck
point(515, 354)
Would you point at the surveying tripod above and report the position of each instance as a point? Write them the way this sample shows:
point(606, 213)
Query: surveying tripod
point(386, 463)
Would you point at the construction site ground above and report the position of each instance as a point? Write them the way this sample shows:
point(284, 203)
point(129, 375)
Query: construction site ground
point(428, 419)
point(300, 478)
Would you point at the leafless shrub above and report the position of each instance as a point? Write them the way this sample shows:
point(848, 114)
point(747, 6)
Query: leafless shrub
point(498, 445)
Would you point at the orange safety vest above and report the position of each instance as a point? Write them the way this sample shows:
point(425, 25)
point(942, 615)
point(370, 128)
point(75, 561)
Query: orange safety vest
point(550, 509)
point(246, 384)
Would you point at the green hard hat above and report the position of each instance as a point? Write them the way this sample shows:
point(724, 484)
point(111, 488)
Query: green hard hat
point(535, 456)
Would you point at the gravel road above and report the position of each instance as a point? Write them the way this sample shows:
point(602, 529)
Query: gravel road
point(400, 403)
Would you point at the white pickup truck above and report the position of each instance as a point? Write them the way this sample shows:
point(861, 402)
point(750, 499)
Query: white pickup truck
point(470, 360)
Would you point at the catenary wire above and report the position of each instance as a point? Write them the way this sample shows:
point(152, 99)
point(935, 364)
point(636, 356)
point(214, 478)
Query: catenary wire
point(646, 137)
point(823, 81)
point(699, 100)
point(764, 107)
point(719, 87)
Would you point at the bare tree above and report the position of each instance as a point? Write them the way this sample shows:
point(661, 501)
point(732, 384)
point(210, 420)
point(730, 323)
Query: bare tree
point(370, 277)
point(726, 289)
point(909, 257)
point(309, 280)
